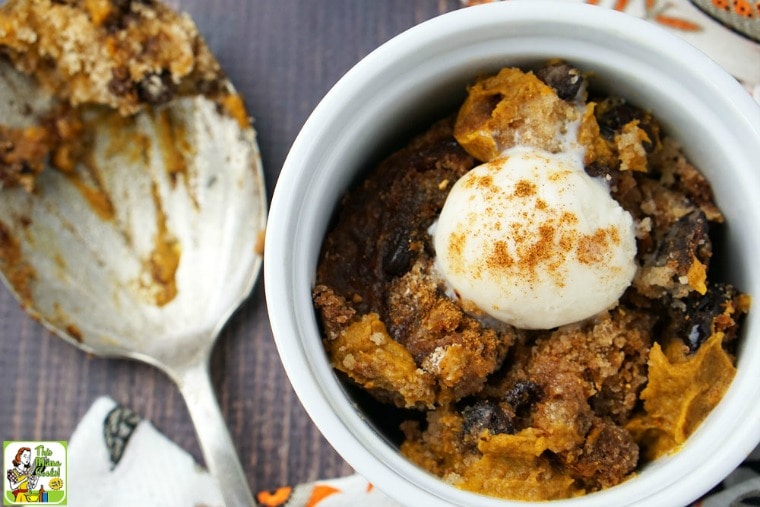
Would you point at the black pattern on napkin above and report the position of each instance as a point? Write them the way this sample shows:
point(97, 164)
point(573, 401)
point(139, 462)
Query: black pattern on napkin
point(118, 426)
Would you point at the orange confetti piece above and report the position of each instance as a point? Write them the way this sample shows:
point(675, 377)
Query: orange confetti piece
point(677, 23)
point(370, 487)
point(319, 493)
point(592, 2)
point(620, 5)
point(274, 498)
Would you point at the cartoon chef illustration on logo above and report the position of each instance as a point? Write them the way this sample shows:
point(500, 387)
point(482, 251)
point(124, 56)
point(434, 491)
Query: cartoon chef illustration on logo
point(22, 478)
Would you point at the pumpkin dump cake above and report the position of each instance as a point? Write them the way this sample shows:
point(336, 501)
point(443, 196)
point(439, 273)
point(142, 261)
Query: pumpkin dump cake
point(528, 283)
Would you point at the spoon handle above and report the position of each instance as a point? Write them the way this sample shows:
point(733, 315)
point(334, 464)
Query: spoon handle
point(218, 450)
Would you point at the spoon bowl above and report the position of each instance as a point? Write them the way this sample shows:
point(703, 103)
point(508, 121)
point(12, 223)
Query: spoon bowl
point(146, 246)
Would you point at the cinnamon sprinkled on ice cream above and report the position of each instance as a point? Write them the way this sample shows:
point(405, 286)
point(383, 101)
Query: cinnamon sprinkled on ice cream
point(532, 240)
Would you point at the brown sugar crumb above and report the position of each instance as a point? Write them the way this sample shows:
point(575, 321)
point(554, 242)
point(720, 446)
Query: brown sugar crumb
point(676, 172)
point(367, 354)
point(362, 348)
point(457, 350)
point(599, 151)
point(120, 54)
point(630, 143)
point(608, 454)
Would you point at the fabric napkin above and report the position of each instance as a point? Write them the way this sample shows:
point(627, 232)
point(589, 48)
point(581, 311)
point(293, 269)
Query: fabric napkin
point(115, 458)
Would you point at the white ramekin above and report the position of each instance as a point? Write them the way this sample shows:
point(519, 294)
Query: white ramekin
point(421, 75)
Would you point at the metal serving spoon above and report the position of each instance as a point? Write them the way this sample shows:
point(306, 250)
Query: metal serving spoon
point(144, 249)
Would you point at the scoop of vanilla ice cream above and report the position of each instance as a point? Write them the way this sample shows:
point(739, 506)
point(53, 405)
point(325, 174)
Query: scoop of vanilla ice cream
point(532, 240)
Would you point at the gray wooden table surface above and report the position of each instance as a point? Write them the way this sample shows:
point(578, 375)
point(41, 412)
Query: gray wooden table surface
point(283, 56)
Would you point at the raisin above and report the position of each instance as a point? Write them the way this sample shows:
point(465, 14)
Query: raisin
point(687, 238)
point(700, 316)
point(612, 114)
point(522, 395)
point(563, 77)
point(599, 170)
point(486, 415)
point(398, 257)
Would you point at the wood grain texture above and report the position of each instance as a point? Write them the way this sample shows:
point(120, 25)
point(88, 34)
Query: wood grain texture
point(283, 56)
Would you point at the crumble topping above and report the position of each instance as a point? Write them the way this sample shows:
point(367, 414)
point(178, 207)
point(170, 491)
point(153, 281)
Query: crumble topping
point(121, 54)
